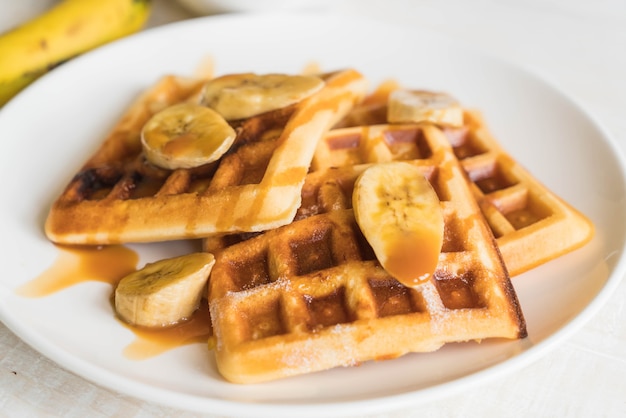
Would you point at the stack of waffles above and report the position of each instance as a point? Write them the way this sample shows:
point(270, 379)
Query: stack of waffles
point(295, 287)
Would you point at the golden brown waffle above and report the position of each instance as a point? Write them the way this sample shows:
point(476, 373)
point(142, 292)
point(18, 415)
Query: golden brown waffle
point(118, 197)
point(311, 296)
point(532, 224)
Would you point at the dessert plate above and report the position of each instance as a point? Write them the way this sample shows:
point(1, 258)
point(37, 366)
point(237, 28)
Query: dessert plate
point(48, 130)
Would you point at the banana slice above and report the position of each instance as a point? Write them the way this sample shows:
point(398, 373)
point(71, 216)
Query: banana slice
point(399, 214)
point(165, 292)
point(238, 96)
point(413, 106)
point(186, 135)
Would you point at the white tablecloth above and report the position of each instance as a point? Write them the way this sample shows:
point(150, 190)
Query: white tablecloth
point(578, 45)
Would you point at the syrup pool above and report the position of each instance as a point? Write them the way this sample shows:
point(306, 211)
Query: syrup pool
point(109, 264)
point(79, 264)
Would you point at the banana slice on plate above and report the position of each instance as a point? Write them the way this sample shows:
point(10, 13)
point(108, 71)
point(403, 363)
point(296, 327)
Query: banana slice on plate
point(186, 135)
point(400, 215)
point(415, 106)
point(165, 292)
point(243, 95)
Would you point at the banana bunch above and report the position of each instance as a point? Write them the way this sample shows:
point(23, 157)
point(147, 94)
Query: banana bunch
point(70, 28)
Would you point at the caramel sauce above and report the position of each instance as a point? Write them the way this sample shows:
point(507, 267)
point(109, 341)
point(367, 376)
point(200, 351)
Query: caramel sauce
point(79, 264)
point(184, 144)
point(286, 177)
point(152, 342)
point(109, 264)
point(193, 144)
point(413, 258)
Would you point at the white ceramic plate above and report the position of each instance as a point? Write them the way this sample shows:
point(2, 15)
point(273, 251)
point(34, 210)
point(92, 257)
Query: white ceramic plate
point(47, 132)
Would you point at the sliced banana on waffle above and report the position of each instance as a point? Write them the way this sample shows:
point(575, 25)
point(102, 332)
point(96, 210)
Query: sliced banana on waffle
point(186, 135)
point(165, 292)
point(238, 96)
point(399, 214)
point(415, 106)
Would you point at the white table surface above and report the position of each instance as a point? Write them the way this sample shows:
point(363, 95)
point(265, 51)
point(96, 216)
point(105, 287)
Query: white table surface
point(578, 45)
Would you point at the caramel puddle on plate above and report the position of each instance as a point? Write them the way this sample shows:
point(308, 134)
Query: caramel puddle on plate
point(152, 342)
point(109, 264)
point(80, 264)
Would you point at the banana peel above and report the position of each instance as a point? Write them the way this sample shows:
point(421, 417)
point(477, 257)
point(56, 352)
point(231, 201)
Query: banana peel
point(68, 29)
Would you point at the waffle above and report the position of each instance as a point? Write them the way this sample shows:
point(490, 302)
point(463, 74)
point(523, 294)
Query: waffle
point(118, 197)
point(311, 296)
point(532, 225)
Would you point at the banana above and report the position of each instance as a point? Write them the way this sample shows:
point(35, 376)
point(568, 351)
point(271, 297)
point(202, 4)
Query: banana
point(243, 95)
point(165, 292)
point(186, 135)
point(399, 214)
point(66, 30)
point(414, 106)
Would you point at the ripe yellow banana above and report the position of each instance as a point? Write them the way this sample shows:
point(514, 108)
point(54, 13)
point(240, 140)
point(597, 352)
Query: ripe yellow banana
point(68, 29)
